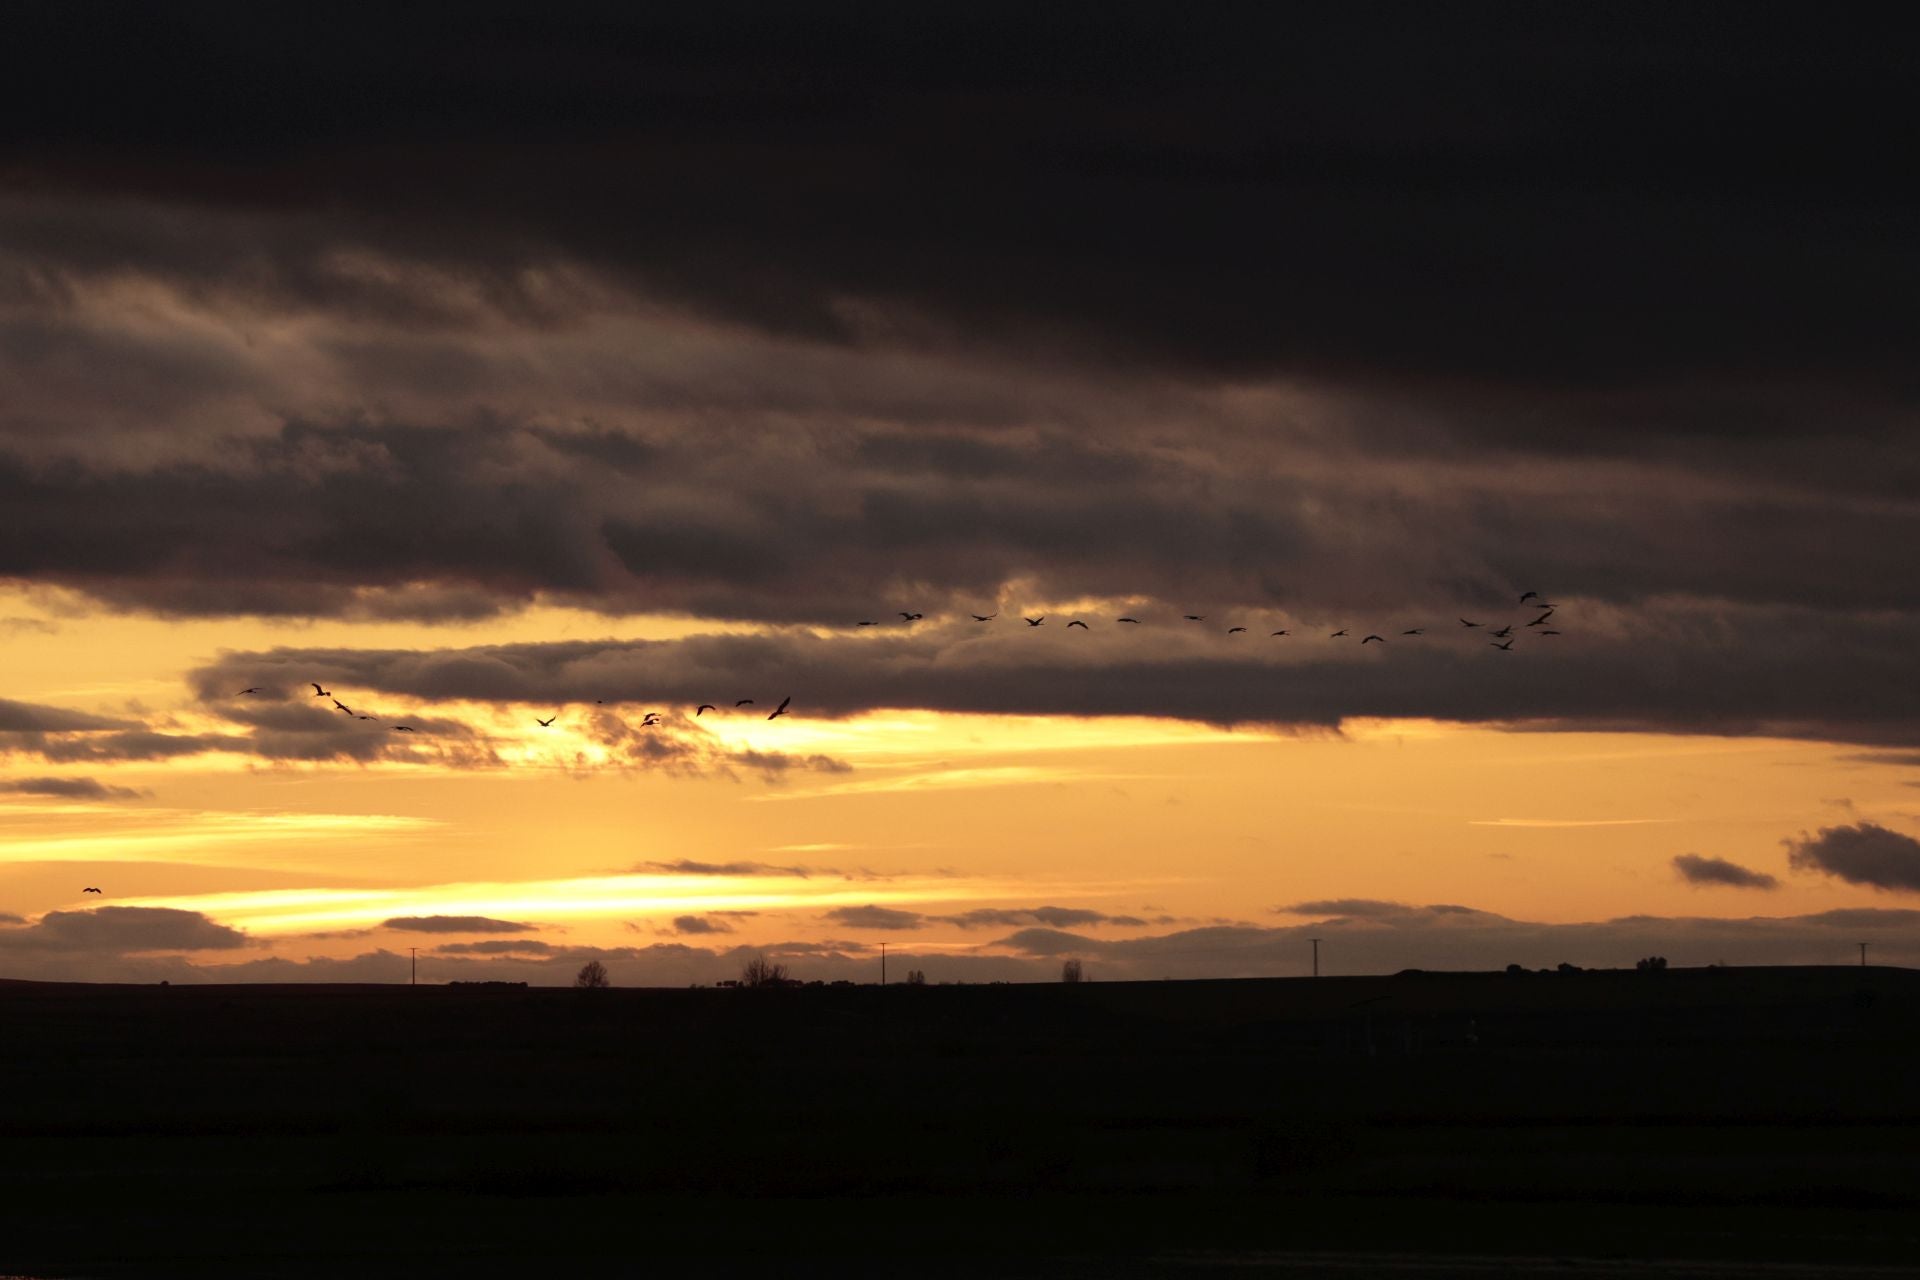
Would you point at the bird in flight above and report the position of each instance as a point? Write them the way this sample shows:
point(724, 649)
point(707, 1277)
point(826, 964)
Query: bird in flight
point(984, 617)
point(404, 728)
point(744, 702)
point(1549, 633)
point(1194, 617)
point(703, 708)
point(651, 719)
point(910, 617)
point(548, 722)
point(863, 624)
point(89, 889)
point(1503, 632)
point(1507, 645)
point(1530, 595)
point(1465, 623)
point(1134, 621)
point(342, 706)
point(1232, 630)
point(1542, 618)
point(1371, 639)
point(1336, 635)
point(366, 717)
point(1415, 632)
point(1283, 633)
point(318, 692)
point(1077, 623)
point(782, 708)
point(1034, 622)
point(244, 692)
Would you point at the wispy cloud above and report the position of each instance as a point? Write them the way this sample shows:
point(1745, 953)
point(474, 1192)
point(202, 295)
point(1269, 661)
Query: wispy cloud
point(199, 836)
point(986, 776)
point(1570, 822)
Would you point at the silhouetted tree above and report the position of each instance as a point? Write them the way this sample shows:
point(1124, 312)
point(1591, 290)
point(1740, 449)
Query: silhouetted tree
point(762, 972)
point(1071, 971)
point(915, 978)
point(592, 976)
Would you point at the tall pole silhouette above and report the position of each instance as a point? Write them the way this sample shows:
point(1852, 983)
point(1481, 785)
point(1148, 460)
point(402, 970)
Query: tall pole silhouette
point(413, 978)
point(1863, 955)
point(1316, 956)
point(883, 964)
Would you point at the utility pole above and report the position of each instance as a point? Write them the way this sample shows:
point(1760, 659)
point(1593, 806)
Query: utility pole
point(1316, 956)
point(414, 979)
point(883, 964)
point(1863, 955)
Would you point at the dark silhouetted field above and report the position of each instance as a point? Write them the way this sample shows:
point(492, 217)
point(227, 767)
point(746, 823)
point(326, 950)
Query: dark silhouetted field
point(1282, 1126)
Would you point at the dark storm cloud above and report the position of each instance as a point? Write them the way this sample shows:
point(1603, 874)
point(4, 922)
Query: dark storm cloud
point(1363, 317)
point(1677, 669)
point(1695, 869)
point(1510, 194)
point(376, 520)
point(455, 924)
point(1864, 853)
point(119, 930)
point(69, 789)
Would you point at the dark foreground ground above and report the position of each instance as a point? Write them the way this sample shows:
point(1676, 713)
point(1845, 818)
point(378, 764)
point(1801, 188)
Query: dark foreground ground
point(1438, 1124)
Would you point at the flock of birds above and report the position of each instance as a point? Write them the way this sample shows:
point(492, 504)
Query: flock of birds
point(1503, 637)
point(648, 721)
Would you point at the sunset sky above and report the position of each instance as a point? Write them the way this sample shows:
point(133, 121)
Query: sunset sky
point(626, 359)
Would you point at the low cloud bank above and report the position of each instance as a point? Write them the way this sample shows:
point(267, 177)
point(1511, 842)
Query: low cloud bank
point(1378, 937)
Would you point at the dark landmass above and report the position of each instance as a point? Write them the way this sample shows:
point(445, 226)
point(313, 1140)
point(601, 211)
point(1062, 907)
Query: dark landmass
point(1442, 1123)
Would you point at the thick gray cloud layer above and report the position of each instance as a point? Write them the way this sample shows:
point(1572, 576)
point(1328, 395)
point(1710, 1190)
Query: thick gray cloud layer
point(1696, 869)
point(1865, 853)
point(1242, 189)
point(1676, 669)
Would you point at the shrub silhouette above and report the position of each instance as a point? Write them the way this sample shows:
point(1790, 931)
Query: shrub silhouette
point(761, 972)
point(1071, 972)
